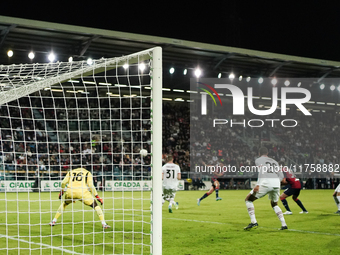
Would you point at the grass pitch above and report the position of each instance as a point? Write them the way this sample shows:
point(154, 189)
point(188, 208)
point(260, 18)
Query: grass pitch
point(78, 230)
point(211, 228)
point(217, 227)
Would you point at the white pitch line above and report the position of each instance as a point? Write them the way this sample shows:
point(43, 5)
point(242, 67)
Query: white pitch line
point(313, 232)
point(224, 223)
point(41, 244)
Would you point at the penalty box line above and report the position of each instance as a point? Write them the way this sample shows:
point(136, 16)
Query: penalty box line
point(224, 223)
point(41, 244)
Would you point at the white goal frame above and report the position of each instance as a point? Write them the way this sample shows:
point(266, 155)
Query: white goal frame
point(26, 84)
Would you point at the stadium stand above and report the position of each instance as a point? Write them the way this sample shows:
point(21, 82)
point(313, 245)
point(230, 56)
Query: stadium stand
point(312, 143)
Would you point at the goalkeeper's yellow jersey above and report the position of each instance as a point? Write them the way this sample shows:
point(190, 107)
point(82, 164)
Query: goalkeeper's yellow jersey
point(79, 178)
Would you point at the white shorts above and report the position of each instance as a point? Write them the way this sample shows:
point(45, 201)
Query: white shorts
point(337, 188)
point(273, 192)
point(169, 192)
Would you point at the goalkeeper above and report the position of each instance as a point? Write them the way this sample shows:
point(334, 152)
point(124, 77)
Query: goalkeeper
point(79, 183)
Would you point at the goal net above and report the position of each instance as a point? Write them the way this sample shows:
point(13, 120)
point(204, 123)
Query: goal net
point(99, 114)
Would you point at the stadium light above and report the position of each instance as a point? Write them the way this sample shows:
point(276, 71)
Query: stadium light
point(274, 81)
point(172, 70)
point(322, 86)
point(248, 79)
point(141, 67)
point(31, 55)
point(198, 72)
point(231, 76)
point(287, 83)
point(51, 57)
point(178, 90)
point(125, 66)
point(185, 71)
point(260, 80)
point(338, 88)
point(299, 84)
point(89, 61)
point(332, 87)
point(70, 59)
point(219, 75)
point(10, 53)
point(240, 78)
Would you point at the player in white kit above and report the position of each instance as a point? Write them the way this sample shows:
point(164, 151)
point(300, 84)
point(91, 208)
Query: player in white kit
point(171, 174)
point(336, 196)
point(268, 182)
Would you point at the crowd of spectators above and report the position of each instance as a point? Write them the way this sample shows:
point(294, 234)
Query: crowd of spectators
point(108, 135)
point(312, 144)
point(50, 139)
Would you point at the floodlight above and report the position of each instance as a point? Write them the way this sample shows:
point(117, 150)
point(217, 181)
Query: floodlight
point(51, 57)
point(31, 55)
point(10, 53)
point(198, 72)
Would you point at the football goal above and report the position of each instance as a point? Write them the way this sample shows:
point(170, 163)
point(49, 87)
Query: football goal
point(98, 114)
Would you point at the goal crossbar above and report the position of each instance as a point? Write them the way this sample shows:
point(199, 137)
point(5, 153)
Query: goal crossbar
point(55, 73)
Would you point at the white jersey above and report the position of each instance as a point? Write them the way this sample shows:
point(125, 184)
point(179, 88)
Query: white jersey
point(170, 173)
point(337, 188)
point(270, 174)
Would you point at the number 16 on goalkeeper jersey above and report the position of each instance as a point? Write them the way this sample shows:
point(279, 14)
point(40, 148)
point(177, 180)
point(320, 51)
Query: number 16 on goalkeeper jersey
point(80, 187)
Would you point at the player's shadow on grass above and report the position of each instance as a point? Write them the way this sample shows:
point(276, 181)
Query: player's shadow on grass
point(329, 215)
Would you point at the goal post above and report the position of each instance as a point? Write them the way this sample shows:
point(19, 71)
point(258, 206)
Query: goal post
point(94, 114)
point(157, 153)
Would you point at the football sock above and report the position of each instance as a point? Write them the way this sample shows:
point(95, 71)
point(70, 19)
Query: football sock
point(204, 196)
point(251, 211)
point(172, 201)
point(216, 191)
point(300, 204)
point(336, 200)
point(338, 197)
point(279, 214)
point(100, 213)
point(60, 211)
point(285, 204)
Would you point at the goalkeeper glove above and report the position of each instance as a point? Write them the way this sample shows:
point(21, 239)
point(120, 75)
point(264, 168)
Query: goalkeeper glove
point(61, 194)
point(100, 200)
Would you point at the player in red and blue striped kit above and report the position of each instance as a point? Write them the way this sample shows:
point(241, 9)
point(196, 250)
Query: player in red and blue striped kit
point(293, 190)
point(215, 185)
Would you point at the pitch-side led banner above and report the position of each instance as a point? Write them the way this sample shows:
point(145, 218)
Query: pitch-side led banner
point(27, 186)
point(133, 185)
point(50, 185)
point(16, 186)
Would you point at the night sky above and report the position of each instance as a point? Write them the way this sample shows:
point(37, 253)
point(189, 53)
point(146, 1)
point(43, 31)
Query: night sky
point(309, 30)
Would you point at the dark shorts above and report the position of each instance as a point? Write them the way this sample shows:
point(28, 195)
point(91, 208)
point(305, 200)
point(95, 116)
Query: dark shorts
point(213, 180)
point(291, 191)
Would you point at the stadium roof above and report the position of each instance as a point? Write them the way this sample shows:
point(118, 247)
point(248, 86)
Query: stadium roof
point(23, 36)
